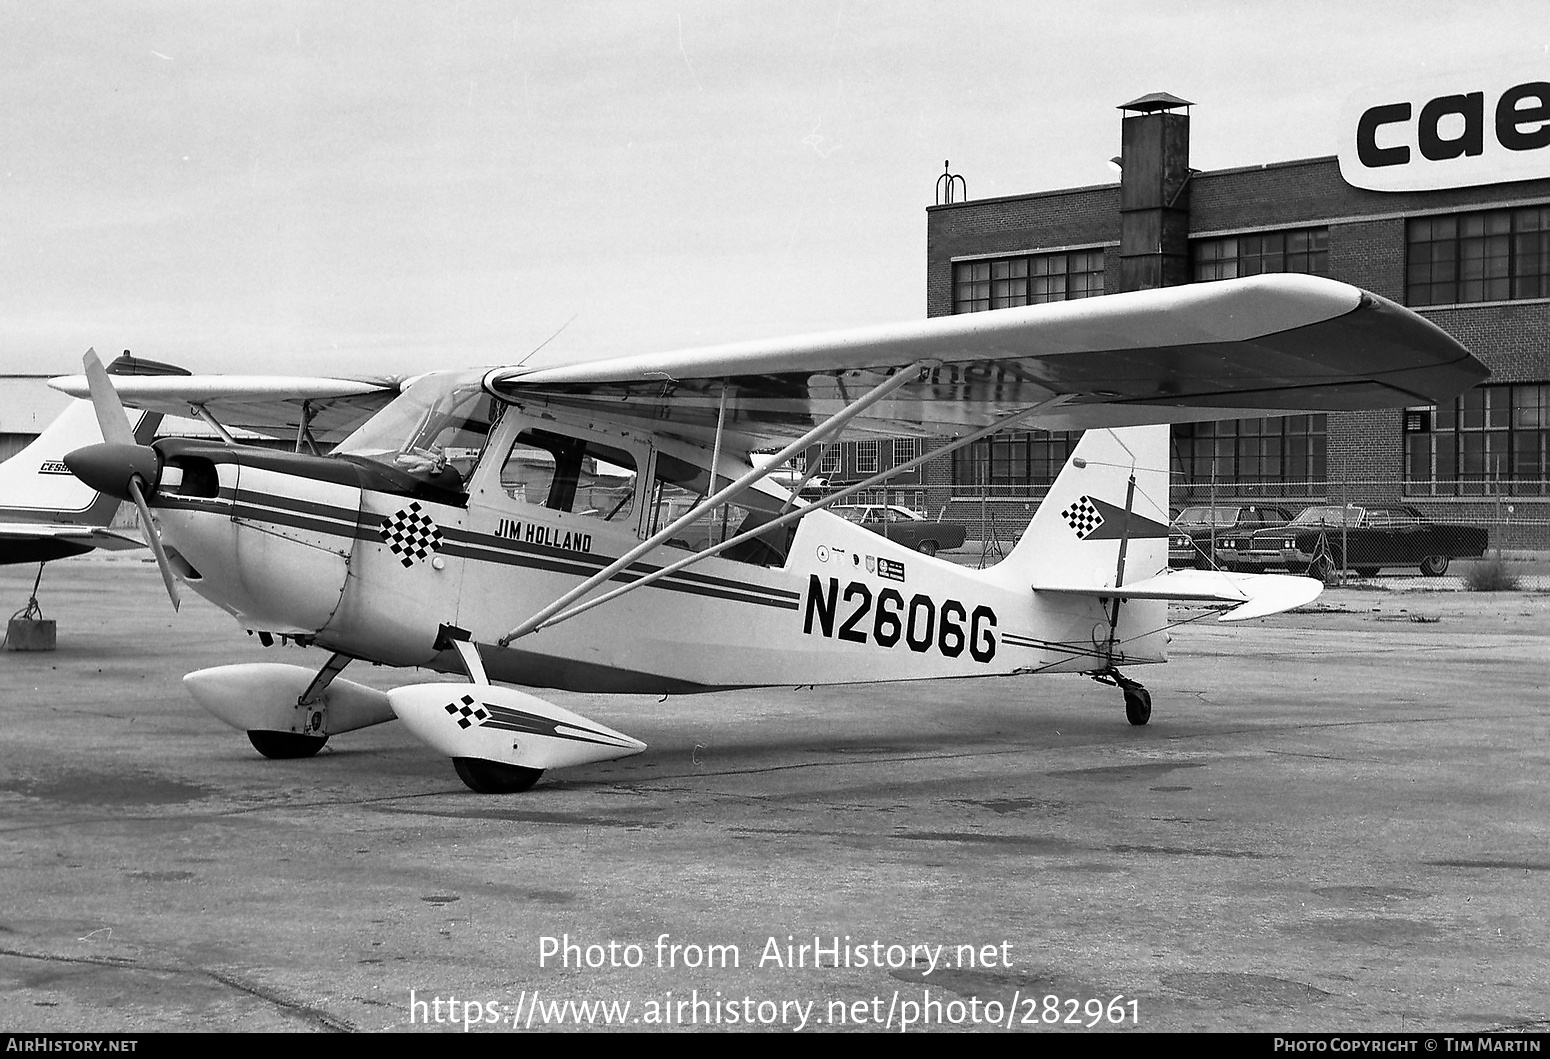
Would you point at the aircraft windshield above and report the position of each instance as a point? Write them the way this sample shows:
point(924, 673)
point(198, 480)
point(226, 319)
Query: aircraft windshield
point(434, 430)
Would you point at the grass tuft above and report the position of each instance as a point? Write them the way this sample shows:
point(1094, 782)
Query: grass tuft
point(1491, 575)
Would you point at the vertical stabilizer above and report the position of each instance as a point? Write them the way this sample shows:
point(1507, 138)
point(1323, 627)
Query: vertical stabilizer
point(1077, 534)
point(35, 484)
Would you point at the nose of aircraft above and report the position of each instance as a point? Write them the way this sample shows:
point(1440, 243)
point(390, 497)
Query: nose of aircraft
point(110, 467)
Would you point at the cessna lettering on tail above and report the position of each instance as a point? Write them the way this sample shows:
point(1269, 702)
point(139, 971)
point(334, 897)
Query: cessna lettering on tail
point(886, 619)
point(1455, 132)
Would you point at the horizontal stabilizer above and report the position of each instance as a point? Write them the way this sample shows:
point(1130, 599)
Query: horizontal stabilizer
point(1256, 594)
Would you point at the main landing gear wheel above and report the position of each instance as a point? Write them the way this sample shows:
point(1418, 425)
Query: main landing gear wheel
point(1434, 565)
point(494, 777)
point(1138, 704)
point(285, 745)
point(928, 547)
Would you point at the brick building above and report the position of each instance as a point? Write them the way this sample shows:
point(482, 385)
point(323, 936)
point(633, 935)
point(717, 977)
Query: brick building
point(1475, 260)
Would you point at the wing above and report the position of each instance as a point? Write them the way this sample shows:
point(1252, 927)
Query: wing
point(38, 542)
point(90, 536)
point(273, 405)
point(1266, 345)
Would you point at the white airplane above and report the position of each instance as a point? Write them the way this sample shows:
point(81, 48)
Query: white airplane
point(561, 526)
point(46, 512)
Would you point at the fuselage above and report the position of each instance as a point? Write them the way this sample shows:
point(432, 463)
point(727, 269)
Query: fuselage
point(479, 518)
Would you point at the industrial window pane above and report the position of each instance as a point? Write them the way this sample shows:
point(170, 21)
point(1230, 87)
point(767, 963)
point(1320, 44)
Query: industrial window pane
point(1303, 250)
point(1491, 255)
point(1491, 439)
point(1005, 282)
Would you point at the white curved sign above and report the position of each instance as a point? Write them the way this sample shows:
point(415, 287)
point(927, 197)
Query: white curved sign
point(1450, 131)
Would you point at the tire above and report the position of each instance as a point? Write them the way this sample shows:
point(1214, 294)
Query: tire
point(1321, 570)
point(1434, 565)
point(1138, 705)
point(494, 777)
point(284, 746)
point(928, 547)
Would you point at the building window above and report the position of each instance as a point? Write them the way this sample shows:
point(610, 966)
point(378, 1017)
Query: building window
point(866, 458)
point(1305, 250)
point(1013, 463)
point(1288, 452)
point(1491, 440)
point(1001, 283)
point(1496, 255)
point(829, 462)
point(905, 450)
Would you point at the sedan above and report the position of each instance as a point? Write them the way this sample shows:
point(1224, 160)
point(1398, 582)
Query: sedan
point(910, 528)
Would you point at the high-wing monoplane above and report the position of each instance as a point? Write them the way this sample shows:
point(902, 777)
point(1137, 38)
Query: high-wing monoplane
point(601, 525)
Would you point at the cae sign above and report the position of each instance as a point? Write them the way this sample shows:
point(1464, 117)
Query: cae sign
point(1448, 132)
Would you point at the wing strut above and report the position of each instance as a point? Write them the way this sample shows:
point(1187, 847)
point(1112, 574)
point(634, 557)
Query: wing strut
point(304, 429)
point(807, 475)
point(214, 424)
point(828, 427)
point(791, 516)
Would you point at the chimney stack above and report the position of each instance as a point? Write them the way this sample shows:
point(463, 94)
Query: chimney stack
point(1154, 192)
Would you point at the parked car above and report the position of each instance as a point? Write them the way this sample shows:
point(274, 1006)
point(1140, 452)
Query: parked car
point(910, 528)
point(1326, 538)
point(1194, 530)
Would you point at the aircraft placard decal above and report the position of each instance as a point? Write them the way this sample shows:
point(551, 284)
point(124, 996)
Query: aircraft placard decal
point(1098, 520)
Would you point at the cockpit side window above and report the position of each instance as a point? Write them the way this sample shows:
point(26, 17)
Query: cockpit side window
point(678, 485)
point(567, 473)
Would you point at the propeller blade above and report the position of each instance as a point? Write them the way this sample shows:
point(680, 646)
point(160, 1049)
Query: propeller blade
point(111, 416)
point(153, 538)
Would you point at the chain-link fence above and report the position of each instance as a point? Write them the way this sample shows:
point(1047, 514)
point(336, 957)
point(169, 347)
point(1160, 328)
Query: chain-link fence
point(1342, 532)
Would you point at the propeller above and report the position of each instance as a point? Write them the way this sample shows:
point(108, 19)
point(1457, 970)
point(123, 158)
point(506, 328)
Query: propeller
point(120, 453)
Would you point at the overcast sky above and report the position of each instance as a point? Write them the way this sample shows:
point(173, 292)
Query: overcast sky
point(392, 186)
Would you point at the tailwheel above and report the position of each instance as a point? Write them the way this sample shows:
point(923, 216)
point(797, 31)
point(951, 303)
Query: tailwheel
point(1138, 701)
point(494, 777)
point(285, 745)
point(1138, 704)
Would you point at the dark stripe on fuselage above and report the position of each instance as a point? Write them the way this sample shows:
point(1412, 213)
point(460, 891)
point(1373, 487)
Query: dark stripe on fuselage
point(328, 519)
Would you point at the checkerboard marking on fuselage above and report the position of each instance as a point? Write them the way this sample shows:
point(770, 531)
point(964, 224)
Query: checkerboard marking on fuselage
point(411, 534)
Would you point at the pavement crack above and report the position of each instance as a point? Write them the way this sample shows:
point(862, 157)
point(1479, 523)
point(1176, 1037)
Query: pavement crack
point(270, 996)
